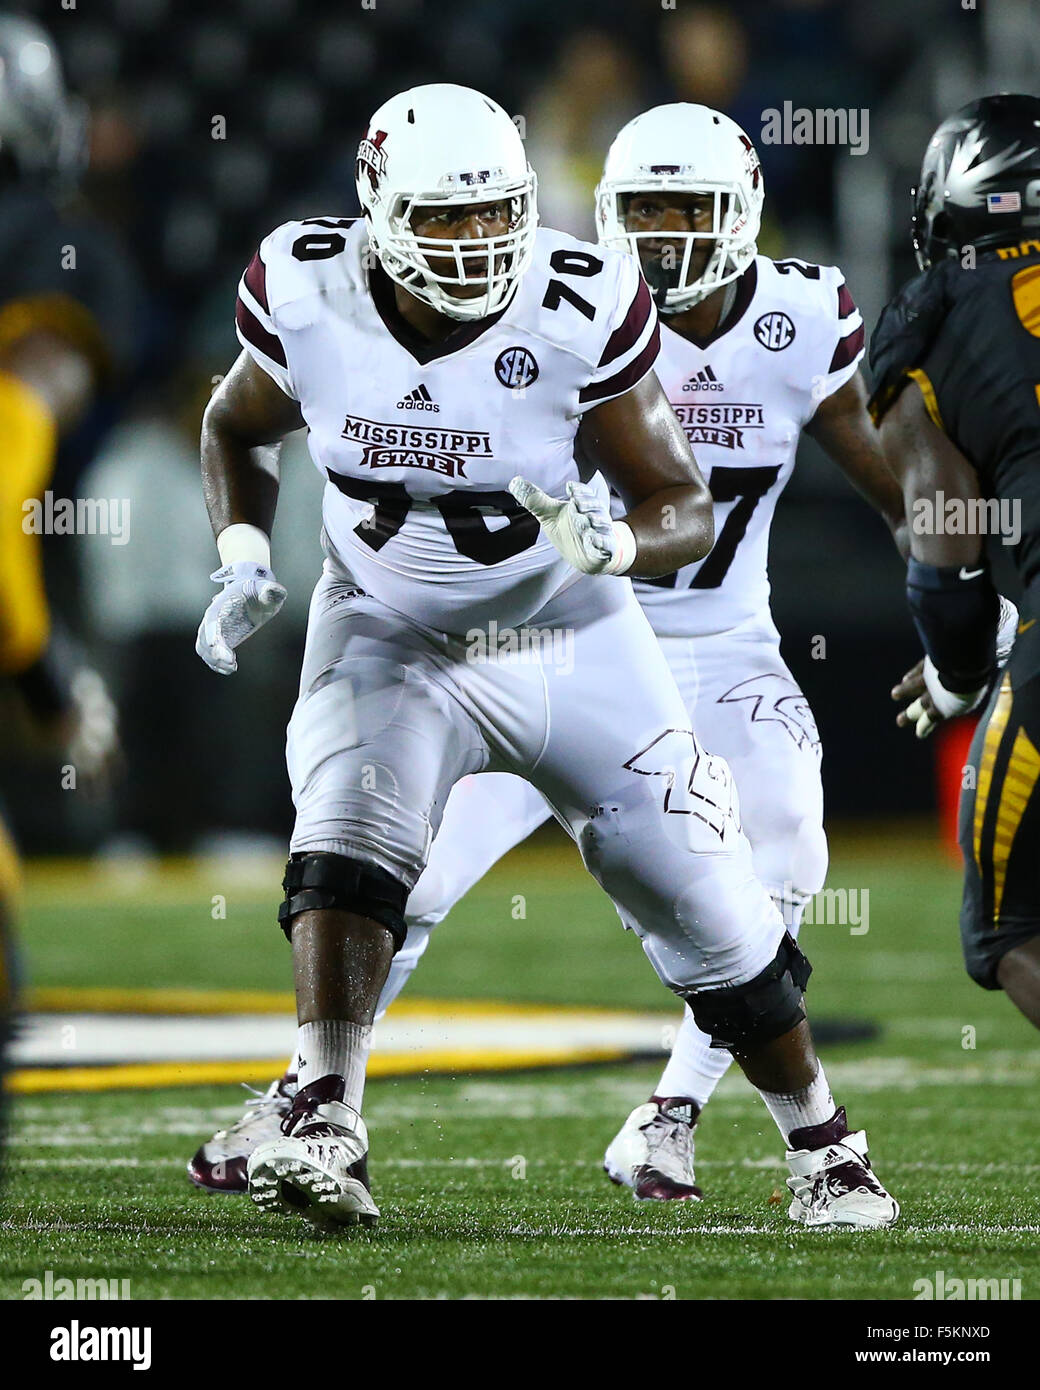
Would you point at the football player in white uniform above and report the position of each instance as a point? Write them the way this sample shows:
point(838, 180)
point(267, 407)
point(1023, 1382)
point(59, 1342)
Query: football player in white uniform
point(525, 351)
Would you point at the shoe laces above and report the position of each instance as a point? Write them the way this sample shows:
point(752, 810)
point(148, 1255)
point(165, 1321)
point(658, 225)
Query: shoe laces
point(263, 1102)
point(846, 1178)
point(664, 1133)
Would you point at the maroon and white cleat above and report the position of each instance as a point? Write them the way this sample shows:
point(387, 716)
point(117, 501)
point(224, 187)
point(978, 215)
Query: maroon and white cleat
point(219, 1165)
point(832, 1182)
point(652, 1153)
point(317, 1166)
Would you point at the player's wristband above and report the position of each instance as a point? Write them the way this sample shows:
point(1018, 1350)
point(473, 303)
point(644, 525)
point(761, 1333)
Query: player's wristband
point(625, 555)
point(242, 542)
point(955, 609)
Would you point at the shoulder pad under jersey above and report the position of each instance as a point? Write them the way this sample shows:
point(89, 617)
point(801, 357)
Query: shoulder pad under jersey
point(904, 333)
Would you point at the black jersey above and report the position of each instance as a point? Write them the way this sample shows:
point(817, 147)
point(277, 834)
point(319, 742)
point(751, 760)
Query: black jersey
point(970, 338)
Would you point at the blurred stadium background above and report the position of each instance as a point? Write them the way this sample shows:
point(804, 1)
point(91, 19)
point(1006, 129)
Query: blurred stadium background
point(210, 125)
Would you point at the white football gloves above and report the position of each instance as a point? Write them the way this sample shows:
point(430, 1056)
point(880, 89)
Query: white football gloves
point(251, 596)
point(1007, 630)
point(93, 746)
point(948, 704)
point(580, 527)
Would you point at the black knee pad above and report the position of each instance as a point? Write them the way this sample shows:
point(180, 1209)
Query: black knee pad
point(323, 880)
point(764, 1008)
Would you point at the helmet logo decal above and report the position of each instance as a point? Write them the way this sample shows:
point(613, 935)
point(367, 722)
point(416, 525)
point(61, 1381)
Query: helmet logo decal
point(752, 167)
point(964, 176)
point(371, 157)
point(1003, 202)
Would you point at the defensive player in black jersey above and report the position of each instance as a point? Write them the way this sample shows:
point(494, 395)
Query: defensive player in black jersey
point(956, 358)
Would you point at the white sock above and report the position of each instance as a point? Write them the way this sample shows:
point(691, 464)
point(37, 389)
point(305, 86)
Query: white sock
point(401, 967)
point(333, 1047)
point(813, 1106)
point(695, 1068)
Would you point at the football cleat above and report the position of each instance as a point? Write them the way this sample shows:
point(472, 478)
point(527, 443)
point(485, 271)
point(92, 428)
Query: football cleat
point(835, 1185)
point(653, 1151)
point(317, 1167)
point(219, 1165)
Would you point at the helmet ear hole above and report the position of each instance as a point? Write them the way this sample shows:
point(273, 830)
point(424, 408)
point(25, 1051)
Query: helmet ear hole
point(942, 229)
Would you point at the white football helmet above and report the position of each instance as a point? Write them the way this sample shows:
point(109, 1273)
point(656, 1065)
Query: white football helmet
point(444, 144)
point(686, 149)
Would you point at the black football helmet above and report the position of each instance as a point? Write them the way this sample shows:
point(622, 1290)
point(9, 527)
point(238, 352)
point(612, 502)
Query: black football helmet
point(980, 179)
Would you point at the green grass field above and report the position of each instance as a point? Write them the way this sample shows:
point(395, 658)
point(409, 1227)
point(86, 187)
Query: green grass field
point(490, 1185)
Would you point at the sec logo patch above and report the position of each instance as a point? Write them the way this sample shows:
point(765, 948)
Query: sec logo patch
point(774, 331)
point(516, 367)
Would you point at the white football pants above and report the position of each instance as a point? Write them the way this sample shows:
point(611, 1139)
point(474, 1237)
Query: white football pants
point(747, 706)
point(581, 703)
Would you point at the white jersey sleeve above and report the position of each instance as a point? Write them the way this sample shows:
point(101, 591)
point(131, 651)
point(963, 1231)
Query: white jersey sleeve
point(255, 324)
point(633, 338)
point(281, 289)
point(840, 336)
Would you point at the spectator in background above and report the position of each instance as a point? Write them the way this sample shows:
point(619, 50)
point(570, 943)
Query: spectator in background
point(705, 52)
point(593, 90)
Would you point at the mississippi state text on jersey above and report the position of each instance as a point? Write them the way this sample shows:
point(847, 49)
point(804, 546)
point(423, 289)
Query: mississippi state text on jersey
point(419, 440)
point(792, 337)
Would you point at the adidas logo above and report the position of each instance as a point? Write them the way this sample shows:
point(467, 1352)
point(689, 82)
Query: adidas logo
point(419, 399)
point(705, 380)
point(680, 1112)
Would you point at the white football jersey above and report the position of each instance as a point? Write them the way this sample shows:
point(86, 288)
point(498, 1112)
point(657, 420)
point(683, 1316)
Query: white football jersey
point(418, 440)
point(791, 339)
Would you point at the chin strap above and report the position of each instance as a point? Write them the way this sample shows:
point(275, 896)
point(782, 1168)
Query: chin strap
point(660, 290)
point(729, 299)
point(656, 277)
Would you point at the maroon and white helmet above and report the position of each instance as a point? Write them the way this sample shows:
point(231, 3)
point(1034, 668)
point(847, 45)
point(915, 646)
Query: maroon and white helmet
point(687, 149)
point(448, 145)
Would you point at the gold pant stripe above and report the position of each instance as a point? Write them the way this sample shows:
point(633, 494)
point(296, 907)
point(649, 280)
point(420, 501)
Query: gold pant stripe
point(1026, 761)
point(928, 392)
point(994, 733)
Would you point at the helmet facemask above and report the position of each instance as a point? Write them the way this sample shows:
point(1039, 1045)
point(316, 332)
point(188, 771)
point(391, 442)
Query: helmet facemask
point(499, 261)
point(669, 275)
